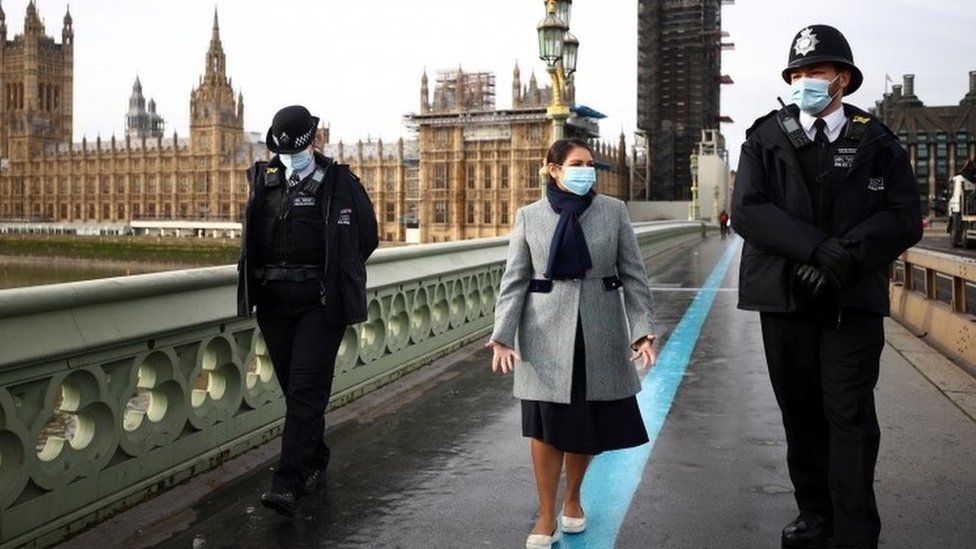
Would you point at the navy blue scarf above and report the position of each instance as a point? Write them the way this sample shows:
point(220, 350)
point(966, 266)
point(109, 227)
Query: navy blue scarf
point(568, 255)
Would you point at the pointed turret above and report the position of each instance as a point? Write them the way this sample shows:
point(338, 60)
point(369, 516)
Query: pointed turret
point(67, 31)
point(3, 25)
point(32, 21)
point(535, 97)
point(516, 87)
point(424, 93)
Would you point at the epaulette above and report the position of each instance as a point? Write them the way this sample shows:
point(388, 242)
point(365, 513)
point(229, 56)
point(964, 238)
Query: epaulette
point(272, 176)
point(857, 126)
point(759, 121)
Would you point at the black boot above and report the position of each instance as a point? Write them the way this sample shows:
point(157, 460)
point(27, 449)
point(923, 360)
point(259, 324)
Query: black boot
point(284, 503)
point(316, 478)
point(314, 481)
point(808, 531)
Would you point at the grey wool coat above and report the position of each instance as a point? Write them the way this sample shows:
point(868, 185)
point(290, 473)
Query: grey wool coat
point(537, 317)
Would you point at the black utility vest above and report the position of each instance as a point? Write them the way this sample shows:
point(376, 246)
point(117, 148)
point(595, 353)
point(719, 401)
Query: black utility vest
point(291, 229)
point(824, 168)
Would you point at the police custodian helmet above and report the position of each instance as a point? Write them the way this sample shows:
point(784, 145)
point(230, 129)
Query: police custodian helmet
point(292, 130)
point(822, 44)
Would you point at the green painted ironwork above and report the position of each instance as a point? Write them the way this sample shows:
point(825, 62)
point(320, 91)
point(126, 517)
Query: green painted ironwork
point(113, 390)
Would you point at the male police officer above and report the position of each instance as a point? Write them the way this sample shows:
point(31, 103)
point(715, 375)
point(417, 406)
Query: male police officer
point(308, 229)
point(825, 199)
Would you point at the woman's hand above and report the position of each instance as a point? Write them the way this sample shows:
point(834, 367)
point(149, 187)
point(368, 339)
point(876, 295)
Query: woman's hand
point(504, 357)
point(644, 350)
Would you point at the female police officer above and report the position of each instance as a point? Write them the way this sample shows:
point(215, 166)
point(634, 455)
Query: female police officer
point(308, 229)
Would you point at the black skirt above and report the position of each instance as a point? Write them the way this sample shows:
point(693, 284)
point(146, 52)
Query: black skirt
point(584, 426)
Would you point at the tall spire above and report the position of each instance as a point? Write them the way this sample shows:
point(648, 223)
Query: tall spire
point(216, 61)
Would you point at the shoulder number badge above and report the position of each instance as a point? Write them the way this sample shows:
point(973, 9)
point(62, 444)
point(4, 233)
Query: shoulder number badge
point(806, 42)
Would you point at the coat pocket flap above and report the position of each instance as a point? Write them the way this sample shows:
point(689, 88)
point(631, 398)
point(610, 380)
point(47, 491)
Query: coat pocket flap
point(540, 285)
point(612, 282)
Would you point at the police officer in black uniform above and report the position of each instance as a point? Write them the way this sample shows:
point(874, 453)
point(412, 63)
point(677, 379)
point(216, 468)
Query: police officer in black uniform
point(309, 227)
point(825, 199)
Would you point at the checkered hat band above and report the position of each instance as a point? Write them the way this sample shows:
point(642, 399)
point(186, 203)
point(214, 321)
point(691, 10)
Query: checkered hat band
point(305, 138)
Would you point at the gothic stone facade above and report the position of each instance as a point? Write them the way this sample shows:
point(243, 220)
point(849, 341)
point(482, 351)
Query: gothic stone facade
point(46, 177)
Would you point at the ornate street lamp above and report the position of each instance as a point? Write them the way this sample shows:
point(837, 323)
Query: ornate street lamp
point(563, 10)
point(570, 49)
point(552, 30)
point(558, 48)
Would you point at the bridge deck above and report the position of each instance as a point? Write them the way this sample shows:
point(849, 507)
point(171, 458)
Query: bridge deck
point(442, 463)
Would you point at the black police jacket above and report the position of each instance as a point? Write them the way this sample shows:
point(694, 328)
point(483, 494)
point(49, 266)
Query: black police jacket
point(350, 238)
point(875, 208)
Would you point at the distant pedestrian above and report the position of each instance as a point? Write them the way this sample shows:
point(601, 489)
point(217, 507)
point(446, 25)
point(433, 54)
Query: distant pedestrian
point(825, 199)
point(308, 229)
point(723, 223)
point(568, 331)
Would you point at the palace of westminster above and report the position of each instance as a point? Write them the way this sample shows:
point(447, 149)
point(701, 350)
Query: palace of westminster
point(469, 167)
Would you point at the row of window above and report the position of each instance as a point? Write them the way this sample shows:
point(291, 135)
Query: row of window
point(487, 176)
point(89, 211)
point(441, 212)
point(19, 188)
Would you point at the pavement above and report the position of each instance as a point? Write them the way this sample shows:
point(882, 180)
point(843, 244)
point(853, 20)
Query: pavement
point(438, 461)
point(942, 243)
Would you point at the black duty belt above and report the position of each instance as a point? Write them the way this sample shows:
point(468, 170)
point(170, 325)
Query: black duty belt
point(297, 273)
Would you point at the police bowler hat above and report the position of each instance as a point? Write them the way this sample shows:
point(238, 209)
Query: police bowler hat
point(291, 131)
point(818, 44)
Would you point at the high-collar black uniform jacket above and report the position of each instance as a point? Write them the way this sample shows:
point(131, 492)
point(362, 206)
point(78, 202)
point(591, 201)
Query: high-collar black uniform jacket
point(875, 208)
point(350, 237)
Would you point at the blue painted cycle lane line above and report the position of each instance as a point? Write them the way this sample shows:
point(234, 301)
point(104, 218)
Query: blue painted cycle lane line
point(613, 477)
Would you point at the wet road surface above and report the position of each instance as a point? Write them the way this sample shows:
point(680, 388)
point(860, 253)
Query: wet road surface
point(445, 466)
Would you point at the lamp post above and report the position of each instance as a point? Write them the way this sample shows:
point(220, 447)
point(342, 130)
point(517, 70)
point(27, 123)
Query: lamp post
point(558, 48)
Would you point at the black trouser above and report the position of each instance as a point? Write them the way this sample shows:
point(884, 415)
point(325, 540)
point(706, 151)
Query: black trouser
point(303, 347)
point(824, 367)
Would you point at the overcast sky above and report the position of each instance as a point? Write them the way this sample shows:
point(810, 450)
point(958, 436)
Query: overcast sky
point(357, 64)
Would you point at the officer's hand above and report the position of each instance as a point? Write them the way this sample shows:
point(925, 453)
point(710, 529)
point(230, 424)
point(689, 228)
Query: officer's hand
point(503, 358)
point(836, 263)
point(812, 281)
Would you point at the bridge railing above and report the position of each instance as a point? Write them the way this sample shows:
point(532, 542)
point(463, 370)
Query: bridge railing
point(113, 390)
point(935, 293)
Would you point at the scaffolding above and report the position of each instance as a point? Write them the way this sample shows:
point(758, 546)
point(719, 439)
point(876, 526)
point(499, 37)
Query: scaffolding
point(679, 78)
point(457, 90)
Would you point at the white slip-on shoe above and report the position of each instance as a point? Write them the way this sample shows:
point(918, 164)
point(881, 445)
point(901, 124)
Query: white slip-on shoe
point(542, 541)
point(572, 525)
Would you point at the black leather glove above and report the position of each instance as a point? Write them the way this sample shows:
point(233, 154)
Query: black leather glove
point(812, 281)
point(837, 264)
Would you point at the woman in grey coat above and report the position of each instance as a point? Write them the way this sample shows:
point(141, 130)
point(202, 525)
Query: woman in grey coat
point(573, 313)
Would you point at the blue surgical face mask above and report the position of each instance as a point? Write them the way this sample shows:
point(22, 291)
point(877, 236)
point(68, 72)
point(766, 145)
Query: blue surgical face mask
point(812, 95)
point(579, 179)
point(296, 162)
